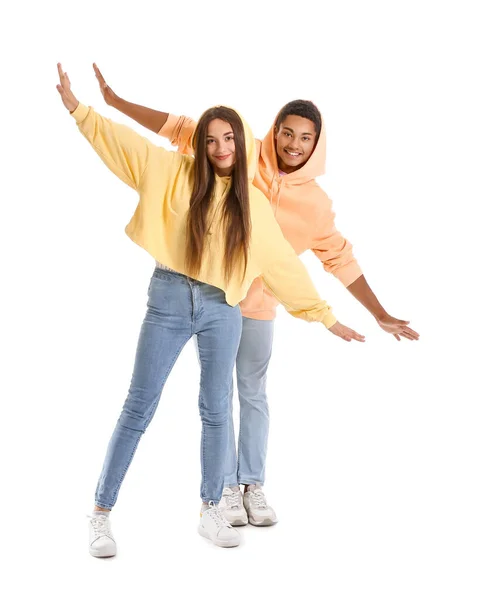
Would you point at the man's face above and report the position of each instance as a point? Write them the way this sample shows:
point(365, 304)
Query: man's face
point(295, 141)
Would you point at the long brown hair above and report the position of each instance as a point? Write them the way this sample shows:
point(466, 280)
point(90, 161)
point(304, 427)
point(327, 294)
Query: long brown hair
point(236, 215)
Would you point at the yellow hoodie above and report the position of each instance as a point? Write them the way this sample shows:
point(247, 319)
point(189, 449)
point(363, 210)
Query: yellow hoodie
point(301, 207)
point(164, 181)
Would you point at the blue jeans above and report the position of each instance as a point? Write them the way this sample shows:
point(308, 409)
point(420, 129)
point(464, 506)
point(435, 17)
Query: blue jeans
point(178, 308)
point(254, 353)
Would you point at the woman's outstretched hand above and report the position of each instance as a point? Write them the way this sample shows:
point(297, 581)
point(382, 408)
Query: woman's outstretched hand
point(68, 98)
point(105, 90)
point(345, 333)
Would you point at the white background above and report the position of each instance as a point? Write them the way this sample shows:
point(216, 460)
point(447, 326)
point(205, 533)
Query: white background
point(375, 449)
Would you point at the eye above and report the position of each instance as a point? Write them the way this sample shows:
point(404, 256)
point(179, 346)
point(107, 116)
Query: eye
point(287, 134)
point(229, 138)
point(209, 142)
point(306, 138)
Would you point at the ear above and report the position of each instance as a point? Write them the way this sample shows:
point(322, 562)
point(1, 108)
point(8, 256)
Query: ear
point(275, 132)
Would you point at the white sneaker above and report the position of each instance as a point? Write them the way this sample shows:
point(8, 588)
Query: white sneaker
point(215, 527)
point(101, 543)
point(232, 507)
point(259, 512)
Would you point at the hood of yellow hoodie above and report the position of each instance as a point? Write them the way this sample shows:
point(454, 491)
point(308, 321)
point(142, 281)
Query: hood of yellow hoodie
point(251, 152)
point(313, 167)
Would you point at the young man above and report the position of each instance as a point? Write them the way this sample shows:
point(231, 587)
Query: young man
point(290, 157)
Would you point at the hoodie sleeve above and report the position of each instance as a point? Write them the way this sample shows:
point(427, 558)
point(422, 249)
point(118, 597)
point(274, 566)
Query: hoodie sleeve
point(179, 131)
point(332, 249)
point(124, 151)
point(282, 271)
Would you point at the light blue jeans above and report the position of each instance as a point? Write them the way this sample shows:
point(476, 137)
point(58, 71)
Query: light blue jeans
point(248, 465)
point(178, 308)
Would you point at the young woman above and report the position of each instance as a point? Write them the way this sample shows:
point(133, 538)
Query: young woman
point(290, 157)
point(212, 234)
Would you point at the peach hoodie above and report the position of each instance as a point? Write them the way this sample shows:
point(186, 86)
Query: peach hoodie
point(301, 207)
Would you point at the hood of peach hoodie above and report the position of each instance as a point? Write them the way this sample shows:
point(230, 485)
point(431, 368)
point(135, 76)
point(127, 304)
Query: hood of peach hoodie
point(268, 172)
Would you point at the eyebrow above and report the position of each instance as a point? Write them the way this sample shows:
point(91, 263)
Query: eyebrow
point(292, 130)
point(228, 133)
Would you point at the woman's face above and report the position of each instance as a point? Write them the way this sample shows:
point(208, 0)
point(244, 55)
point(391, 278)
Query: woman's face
point(220, 147)
point(295, 141)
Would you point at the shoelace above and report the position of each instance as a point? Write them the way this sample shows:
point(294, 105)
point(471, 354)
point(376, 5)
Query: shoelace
point(217, 516)
point(258, 499)
point(232, 500)
point(101, 526)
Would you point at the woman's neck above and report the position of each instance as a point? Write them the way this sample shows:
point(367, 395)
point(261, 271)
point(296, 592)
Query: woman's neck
point(224, 172)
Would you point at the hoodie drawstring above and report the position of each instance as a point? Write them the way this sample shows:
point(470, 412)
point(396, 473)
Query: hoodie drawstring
point(271, 189)
point(278, 199)
point(278, 195)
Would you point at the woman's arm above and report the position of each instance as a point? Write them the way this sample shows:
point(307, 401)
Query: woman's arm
point(125, 152)
point(284, 273)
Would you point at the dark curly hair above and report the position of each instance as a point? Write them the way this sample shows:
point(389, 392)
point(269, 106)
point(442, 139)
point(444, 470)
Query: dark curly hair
point(301, 108)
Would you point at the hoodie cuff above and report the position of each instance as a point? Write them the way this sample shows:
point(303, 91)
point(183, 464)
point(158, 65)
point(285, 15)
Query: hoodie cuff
point(329, 320)
point(348, 273)
point(80, 113)
point(167, 130)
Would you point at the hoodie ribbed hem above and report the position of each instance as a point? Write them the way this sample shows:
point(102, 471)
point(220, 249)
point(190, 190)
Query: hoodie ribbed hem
point(259, 315)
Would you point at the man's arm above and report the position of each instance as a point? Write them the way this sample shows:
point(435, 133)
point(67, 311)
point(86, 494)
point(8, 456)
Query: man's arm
point(364, 294)
point(178, 130)
point(147, 117)
point(335, 252)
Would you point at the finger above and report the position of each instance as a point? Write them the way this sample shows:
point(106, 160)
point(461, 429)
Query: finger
point(403, 329)
point(98, 74)
point(357, 336)
point(396, 336)
point(411, 331)
point(347, 338)
point(67, 77)
point(60, 70)
point(409, 336)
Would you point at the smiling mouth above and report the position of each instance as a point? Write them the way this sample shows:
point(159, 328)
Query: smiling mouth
point(222, 157)
point(293, 154)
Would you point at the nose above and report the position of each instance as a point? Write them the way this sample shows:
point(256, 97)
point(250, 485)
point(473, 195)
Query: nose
point(221, 150)
point(294, 145)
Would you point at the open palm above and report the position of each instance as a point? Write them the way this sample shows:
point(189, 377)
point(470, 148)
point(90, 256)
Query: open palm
point(105, 90)
point(68, 98)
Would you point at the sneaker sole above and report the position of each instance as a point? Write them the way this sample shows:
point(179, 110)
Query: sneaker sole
point(220, 543)
point(99, 554)
point(264, 523)
point(238, 523)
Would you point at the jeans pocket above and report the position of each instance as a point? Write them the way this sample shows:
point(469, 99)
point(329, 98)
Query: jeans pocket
point(167, 296)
